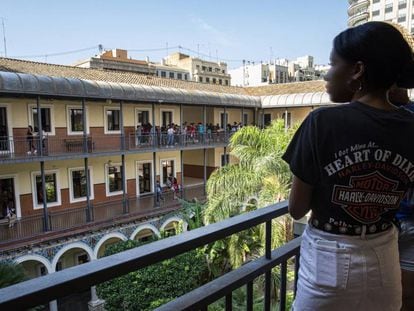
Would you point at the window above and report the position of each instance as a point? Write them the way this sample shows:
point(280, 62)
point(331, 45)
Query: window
point(179, 76)
point(376, 1)
point(214, 80)
point(207, 80)
point(200, 79)
point(288, 119)
point(245, 119)
point(388, 8)
point(267, 119)
point(142, 117)
point(46, 116)
point(113, 179)
point(185, 77)
point(167, 169)
point(203, 68)
point(401, 19)
point(77, 184)
point(220, 81)
point(52, 189)
point(375, 13)
point(227, 82)
point(402, 5)
point(210, 69)
point(112, 120)
point(225, 159)
point(171, 75)
point(163, 74)
point(75, 120)
point(223, 71)
point(167, 118)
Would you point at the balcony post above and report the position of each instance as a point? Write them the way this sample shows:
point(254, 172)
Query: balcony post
point(225, 124)
point(121, 125)
point(204, 125)
point(155, 178)
point(85, 132)
point(182, 174)
point(88, 199)
point(263, 119)
point(153, 132)
point(124, 186)
point(46, 226)
point(255, 116)
point(205, 170)
point(181, 138)
point(39, 127)
point(242, 117)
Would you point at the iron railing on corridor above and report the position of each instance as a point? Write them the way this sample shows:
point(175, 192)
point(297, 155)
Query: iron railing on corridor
point(21, 148)
point(33, 225)
point(50, 287)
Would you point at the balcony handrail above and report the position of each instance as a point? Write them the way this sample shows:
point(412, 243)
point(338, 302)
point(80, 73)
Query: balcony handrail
point(225, 284)
point(59, 284)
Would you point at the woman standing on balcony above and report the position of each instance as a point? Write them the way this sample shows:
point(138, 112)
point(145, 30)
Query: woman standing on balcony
point(29, 138)
point(351, 169)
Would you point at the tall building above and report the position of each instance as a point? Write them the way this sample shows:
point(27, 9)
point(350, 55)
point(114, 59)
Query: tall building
point(396, 11)
point(200, 70)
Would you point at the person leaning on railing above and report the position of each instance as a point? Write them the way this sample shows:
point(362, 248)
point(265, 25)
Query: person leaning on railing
point(351, 168)
point(405, 216)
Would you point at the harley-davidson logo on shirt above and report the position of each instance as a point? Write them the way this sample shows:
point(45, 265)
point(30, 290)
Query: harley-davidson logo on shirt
point(368, 196)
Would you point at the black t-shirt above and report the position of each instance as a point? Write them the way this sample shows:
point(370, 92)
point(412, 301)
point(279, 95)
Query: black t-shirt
point(359, 162)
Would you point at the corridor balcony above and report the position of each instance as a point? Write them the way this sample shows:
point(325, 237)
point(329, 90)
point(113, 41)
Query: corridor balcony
point(80, 278)
point(17, 149)
point(80, 219)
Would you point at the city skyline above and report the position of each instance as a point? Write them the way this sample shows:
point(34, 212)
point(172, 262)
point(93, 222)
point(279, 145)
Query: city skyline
point(225, 31)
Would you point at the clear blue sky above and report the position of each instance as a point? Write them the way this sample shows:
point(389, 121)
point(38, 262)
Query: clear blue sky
point(232, 30)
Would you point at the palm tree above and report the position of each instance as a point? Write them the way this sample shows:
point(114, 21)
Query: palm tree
point(259, 178)
point(10, 274)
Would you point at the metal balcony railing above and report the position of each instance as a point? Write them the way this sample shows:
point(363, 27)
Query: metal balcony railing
point(20, 148)
point(32, 226)
point(63, 283)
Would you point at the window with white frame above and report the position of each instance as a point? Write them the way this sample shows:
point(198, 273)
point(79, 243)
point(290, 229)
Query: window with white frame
point(167, 169)
point(112, 120)
point(77, 184)
point(75, 120)
point(52, 188)
point(46, 117)
point(114, 184)
point(166, 117)
point(287, 119)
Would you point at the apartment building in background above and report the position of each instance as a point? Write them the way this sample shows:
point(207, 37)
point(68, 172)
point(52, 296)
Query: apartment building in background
point(200, 70)
point(396, 11)
point(277, 71)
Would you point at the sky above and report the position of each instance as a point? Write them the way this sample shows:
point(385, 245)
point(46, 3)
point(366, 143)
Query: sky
point(64, 32)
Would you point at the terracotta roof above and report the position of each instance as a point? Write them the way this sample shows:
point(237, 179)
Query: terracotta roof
point(287, 88)
point(36, 68)
point(29, 67)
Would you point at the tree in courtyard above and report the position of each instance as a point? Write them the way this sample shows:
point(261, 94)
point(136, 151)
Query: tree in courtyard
point(152, 286)
point(10, 273)
point(260, 178)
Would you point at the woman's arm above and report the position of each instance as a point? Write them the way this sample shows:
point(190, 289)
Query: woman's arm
point(300, 198)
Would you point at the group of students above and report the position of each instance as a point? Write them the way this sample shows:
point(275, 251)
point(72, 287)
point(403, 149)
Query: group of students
point(172, 184)
point(353, 168)
point(191, 133)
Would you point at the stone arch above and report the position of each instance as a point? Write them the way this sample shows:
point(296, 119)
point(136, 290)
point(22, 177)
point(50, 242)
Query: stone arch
point(70, 246)
point(37, 258)
point(105, 238)
point(143, 227)
point(174, 219)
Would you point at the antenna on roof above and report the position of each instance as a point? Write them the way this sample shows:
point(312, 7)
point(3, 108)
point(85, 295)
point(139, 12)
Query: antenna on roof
point(4, 37)
point(100, 48)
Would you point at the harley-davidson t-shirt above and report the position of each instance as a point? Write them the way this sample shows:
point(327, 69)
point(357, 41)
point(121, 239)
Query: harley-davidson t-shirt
point(359, 163)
